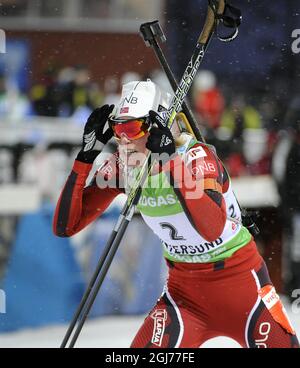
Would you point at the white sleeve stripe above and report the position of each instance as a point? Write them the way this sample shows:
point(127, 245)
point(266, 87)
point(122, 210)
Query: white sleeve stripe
point(178, 316)
point(254, 307)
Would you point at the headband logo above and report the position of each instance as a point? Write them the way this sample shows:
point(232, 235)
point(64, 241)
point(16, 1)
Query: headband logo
point(130, 100)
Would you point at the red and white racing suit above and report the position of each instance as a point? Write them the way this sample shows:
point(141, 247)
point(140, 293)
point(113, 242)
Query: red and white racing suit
point(217, 285)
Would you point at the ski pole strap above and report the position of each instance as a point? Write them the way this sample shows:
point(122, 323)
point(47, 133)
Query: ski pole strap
point(231, 18)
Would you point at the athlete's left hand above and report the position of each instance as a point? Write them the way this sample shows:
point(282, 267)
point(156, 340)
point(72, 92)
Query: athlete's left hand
point(160, 139)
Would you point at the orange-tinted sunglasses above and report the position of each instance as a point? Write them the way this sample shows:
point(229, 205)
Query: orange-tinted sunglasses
point(132, 129)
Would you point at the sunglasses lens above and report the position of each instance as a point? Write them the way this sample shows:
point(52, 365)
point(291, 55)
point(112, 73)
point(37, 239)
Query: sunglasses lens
point(132, 129)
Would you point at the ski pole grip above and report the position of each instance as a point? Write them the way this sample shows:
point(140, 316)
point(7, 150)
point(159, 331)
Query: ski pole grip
point(215, 8)
point(150, 31)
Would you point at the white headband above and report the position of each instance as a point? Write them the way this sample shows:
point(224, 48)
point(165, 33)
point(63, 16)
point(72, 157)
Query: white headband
point(138, 98)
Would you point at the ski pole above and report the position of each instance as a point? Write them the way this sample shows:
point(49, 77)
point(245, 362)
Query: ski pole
point(214, 8)
point(151, 32)
point(90, 286)
point(103, 267)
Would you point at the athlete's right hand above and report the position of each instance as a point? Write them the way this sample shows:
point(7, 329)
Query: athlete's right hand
point(94, 136)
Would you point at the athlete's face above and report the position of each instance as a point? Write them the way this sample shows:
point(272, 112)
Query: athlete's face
point(133, 151)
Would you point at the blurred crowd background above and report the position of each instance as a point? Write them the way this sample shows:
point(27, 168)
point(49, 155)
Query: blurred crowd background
point(65, 58)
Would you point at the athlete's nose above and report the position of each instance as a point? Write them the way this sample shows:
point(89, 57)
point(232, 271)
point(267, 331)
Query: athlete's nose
point(124, 140)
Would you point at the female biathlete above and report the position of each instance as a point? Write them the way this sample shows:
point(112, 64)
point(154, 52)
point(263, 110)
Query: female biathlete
point(218, 284)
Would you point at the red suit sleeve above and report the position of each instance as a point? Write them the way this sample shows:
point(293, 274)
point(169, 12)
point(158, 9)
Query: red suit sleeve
point(78, 205)
point(197, 182)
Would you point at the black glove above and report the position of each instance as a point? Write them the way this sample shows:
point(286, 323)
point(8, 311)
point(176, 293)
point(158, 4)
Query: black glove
point(94, 137)
point(160, 140)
